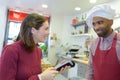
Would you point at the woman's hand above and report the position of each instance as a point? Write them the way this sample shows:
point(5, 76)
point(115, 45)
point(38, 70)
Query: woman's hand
point(49, 74)
point(64, 68)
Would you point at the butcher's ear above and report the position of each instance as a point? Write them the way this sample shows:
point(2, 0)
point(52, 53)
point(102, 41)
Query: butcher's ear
point(111, 22)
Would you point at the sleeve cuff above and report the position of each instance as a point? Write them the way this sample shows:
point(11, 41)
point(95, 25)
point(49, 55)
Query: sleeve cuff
point(39, 76)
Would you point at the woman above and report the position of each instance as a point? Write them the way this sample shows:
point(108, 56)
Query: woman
point(22, 59)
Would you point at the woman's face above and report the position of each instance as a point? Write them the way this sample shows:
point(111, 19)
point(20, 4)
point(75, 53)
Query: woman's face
point(41, 34)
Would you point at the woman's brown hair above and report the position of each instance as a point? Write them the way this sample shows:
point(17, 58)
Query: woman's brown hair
point(32, 20)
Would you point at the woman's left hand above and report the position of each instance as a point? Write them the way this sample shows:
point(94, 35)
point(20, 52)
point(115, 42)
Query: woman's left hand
point(64, 68)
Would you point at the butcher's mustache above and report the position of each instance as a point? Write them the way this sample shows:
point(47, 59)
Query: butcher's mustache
point(97, 30)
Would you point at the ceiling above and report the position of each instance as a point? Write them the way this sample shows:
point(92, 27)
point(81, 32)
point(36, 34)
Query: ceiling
point(62, 7)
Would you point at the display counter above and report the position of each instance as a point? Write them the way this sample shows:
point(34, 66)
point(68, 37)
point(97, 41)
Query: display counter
point(80, 60)
point(79, 70)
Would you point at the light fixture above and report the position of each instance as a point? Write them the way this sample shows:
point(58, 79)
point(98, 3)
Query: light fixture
point(45, 6)
point(92, 1)
point(77, 8)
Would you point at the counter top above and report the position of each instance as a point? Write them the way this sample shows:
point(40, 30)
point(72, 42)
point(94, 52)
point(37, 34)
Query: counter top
point(84, 60)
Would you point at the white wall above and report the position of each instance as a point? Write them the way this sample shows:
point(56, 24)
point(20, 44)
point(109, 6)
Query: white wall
point(67, 29)
point(115, 5)
point(3, 13)
point(56, 26)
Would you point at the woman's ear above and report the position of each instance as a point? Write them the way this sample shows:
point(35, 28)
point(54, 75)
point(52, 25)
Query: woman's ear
point(33, 30)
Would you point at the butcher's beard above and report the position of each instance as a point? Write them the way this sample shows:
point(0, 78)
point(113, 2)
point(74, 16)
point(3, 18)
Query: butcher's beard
point(102, 32)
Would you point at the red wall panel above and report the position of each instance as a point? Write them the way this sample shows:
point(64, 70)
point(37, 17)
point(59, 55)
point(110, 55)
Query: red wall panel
point(16, 16)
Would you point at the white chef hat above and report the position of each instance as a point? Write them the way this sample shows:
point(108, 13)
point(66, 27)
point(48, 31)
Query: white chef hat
point(102, 10)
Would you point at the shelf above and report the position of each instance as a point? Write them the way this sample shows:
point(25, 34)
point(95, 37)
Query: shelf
point(81, 35)
point(78, 24)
